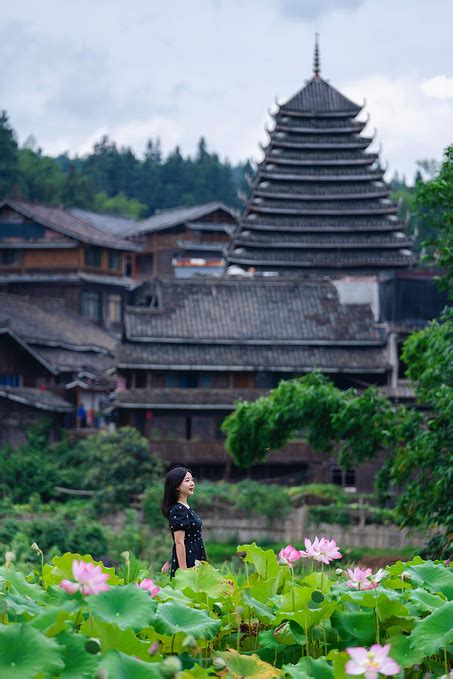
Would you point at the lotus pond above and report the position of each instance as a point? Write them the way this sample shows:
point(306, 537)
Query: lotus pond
point(75, 618)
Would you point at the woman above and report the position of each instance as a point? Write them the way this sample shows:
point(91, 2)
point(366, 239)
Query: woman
point(185, 525)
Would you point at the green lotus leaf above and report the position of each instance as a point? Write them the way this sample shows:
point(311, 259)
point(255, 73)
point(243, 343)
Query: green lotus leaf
point(77, 662)
point(390, 604)
point(52, 620)
point(60, 568)
point(127, 606)
point(356, 626)
point(338, 660)
point(25, 652)
point(264, 561)
point(431, 633)
point(167, 593)
point(309, 667)
point(204, 578)
point(121, 666)
point(262, 612)
point(21, 586)
point(295, 599)
point(248, 666)
point(114, 638)
point(195, 672)
point(319, 581)
point(402, 651)
point(424, 601)
point(172, 618)
point(435, 577)
point(20, 604)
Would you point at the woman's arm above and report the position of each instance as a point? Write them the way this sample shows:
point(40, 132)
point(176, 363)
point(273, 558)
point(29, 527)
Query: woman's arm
point(180, 548)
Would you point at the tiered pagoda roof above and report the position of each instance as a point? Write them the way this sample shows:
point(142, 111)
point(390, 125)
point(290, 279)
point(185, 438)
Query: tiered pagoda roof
point(319, 202)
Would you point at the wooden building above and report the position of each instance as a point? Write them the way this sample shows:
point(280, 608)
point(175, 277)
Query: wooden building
point(68, 254)
point(319, 203)
point(51, 362)
point(191, 348)
point(183, 241)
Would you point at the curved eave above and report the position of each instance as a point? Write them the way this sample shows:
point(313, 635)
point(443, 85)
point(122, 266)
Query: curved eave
point(293, 113)
point(286, 176)
point(299, 129)
point(338, 245)
point(281, 160)
point(319, 230)
point(321, 211)
point(281, 143)
point(332, 196)
point(284, 264)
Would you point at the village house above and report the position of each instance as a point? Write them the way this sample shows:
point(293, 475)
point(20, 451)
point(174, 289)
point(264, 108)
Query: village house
point(68, 254)
point(53, 363)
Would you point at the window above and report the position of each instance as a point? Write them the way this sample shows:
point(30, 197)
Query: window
point(9, 380)
point(188, 428)
point(91, 305)
point(343, 477)
point(115, 260)
point(113, 308)
point(92, 255)
point(9, 257)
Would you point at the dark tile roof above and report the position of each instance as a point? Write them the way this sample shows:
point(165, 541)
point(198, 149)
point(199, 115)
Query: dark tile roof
point(70, 278)
point(207, 246)
point(321, 223)
point(272, 258)
point(166, 219)
point(76, 361)
point(117, 225)
point(346, 207)
point(42, 400)
point(317, 174)
point(278, 357)
point(49, 323)
point(353, 157)
point(205, 399)
point(318, 96)
point(231, 309)
point(324, 241)
point(349, 190)
point(70, 224)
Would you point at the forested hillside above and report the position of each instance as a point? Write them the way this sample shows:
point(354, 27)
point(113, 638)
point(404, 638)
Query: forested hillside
point(114, 179)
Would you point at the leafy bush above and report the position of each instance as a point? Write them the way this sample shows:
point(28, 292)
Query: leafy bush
point(152, 499)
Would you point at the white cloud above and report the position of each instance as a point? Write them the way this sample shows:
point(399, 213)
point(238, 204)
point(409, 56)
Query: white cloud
point(411, 125)
point(439, 87)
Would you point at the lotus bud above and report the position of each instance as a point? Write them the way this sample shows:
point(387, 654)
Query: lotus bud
point(217, 607)
point(197, 563)
point(219, 664)
point(126, 556)
point(92, 645)
point(102, 674)
point(170, 666)
point(36, 548)
point(166, 567)
point(339, 571)
point(153, 649)
point(189, 642)
point(10, 557)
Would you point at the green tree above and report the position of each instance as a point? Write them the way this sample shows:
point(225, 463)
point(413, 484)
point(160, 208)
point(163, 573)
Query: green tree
point(434, 204)
point(77, 189)
point(118, 465)
point(359, 426)
point(9, 165)
point(119, 205)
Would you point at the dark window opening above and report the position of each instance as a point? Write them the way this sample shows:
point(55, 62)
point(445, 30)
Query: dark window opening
point(114, 260)
point(91, 305)
point(346, 478)
point(92, 255)
point(9, 257)
point(128, 266)
point(9, 380)
point(188, 428)
point(140, 379)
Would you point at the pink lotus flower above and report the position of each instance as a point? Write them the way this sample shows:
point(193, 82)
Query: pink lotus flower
point(364, 579)
point(149, 586)
point(288, 555)
point(321, 550)
point(90, 579)
point(372, 662)
point(165, 567)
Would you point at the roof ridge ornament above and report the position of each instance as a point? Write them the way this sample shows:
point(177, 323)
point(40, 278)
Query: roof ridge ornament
point(316, 58)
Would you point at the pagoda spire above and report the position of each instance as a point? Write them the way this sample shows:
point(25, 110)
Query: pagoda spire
point(316, 58)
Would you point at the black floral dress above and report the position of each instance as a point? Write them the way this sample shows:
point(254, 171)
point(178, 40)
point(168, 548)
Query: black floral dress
point(184, 518)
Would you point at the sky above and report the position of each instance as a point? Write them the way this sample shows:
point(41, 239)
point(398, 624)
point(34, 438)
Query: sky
point(139, 69)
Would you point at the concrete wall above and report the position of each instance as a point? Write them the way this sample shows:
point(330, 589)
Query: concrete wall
point(296, 527)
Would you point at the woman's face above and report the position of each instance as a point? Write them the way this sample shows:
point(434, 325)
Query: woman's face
point(187, 485)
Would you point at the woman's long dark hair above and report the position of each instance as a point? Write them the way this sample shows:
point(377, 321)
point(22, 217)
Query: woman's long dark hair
point(173, 479)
